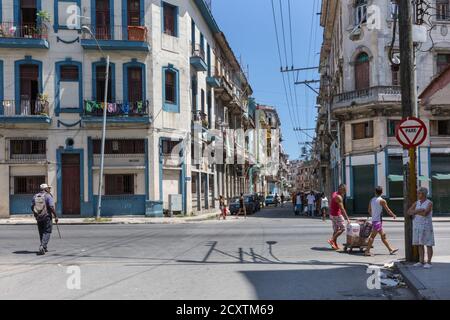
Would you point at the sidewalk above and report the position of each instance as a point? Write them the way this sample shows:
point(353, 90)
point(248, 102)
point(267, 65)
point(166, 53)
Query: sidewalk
point(29, 219)
point(402, 220)
point(432, 284)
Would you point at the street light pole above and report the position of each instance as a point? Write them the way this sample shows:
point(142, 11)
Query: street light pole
point(105, 113)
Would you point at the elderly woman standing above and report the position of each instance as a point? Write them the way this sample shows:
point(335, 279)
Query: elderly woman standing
point(423, 234)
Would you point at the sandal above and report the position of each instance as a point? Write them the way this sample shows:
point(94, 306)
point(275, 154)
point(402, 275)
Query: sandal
point(393, 252)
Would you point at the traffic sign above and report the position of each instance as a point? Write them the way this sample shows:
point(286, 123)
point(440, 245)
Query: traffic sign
point(411, 132)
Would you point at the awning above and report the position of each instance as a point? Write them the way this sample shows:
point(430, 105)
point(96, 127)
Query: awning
point(398, 178)
point(441, 176)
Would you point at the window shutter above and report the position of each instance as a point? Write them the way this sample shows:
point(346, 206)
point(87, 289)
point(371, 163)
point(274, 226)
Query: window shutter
point(433, 128)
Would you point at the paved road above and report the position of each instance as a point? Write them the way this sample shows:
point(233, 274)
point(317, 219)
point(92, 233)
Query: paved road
point(271, 255)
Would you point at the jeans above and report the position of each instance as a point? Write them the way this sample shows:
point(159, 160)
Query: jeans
point(45, 230)
point(311, 210)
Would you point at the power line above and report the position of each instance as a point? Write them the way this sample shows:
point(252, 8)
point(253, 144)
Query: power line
point(281, 64)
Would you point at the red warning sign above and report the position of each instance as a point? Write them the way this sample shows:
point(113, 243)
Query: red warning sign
point(411, 132)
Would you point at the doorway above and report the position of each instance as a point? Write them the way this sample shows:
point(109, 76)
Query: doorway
point(71, 184)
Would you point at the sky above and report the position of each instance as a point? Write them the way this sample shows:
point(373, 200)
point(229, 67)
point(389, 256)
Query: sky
point(250, 30)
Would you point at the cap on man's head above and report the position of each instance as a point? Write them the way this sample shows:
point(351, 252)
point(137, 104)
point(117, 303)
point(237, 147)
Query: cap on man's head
point(44, 186)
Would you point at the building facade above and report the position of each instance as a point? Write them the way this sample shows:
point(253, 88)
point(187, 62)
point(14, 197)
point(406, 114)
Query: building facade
point(173, 80)
point(360, 102)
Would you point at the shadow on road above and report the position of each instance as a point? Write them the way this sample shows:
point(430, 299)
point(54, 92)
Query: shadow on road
point(25, 252)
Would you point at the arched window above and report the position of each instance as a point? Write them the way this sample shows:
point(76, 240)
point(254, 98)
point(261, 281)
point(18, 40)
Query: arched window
point(362, 71)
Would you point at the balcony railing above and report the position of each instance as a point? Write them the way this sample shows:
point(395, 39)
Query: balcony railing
point(24, 108)
point(198, 51)
point(117, 109)
point(366, 96)
point(24, 31)
point(129, 33)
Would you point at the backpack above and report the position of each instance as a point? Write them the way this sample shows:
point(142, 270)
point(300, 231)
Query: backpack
point(40, 206)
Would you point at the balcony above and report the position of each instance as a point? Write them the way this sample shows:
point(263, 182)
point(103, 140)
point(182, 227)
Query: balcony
point(198, 59)
point(24, 112)
point(366, 97)
point(117, 113)
point(224, 91)
point(131, 38)
point(201, 118)
point(23, 36)
point(213, 80)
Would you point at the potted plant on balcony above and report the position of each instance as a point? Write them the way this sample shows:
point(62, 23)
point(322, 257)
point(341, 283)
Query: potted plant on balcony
point(42, 105)
point(43, 18)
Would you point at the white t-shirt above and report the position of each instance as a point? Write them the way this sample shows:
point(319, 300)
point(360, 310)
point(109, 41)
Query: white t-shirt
point(311, 199)
point(377, 209)
point(324, 203)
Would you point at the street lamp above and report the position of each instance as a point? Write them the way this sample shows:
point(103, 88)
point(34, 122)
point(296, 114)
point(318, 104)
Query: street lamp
point(105, 111)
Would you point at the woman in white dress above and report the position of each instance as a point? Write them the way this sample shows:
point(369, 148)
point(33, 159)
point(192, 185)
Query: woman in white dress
point(423, 234)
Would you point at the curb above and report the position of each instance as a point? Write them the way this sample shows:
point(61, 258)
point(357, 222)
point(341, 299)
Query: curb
point(131, 222)
point(416, 286)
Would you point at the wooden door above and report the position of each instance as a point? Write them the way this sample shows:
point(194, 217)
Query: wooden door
point(362, 72)
point(71, 184)
point(102, 19)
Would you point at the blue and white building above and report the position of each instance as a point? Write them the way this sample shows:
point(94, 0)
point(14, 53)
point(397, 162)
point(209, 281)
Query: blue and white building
point(171, 68)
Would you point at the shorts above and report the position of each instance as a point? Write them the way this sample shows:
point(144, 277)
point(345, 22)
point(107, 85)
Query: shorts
point(377, 226)
point(338, 223)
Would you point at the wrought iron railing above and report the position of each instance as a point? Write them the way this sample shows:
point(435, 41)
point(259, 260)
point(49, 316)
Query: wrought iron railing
point(116, 109)
point(130, 33)
point(198, 51)
point(24, 107)
point(26, 31)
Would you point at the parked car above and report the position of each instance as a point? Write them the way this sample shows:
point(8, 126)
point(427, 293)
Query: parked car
point(249, 202)
point(270, 200)
point(256, 204)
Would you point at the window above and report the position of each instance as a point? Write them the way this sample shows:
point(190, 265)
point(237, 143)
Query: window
point(170, 86)
point(443, 61)
point(168, 146)
point(119, 184)
point(28, 185)
point(100, 83)
point(135, 84)
point(29, 89)
point(69, 73)
point(102, 20)
point(362, 71)
point(362, 130)
point(27, 147)
point(134, 146)
point(442, 10)
point(391, 127)
point(361, 11)
point(170, 14)
point(440, 127)
point(202, 100)
point(134, 12)
point(395, 164)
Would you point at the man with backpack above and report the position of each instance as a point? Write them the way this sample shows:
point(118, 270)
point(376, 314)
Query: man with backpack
point(43, 208)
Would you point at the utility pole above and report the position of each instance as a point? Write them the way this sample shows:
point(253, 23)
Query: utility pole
point(409, 101)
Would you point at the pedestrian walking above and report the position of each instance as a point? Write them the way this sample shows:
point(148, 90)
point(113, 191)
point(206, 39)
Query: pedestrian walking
point(43, 208)
point(222, 208)
point(423, 232)
point(338, 215)
point(324, 206)
point(277, 199)
point(376, 206)
point(311, 203)
point(282, 200)
point(242, 207)
point(298, 204)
